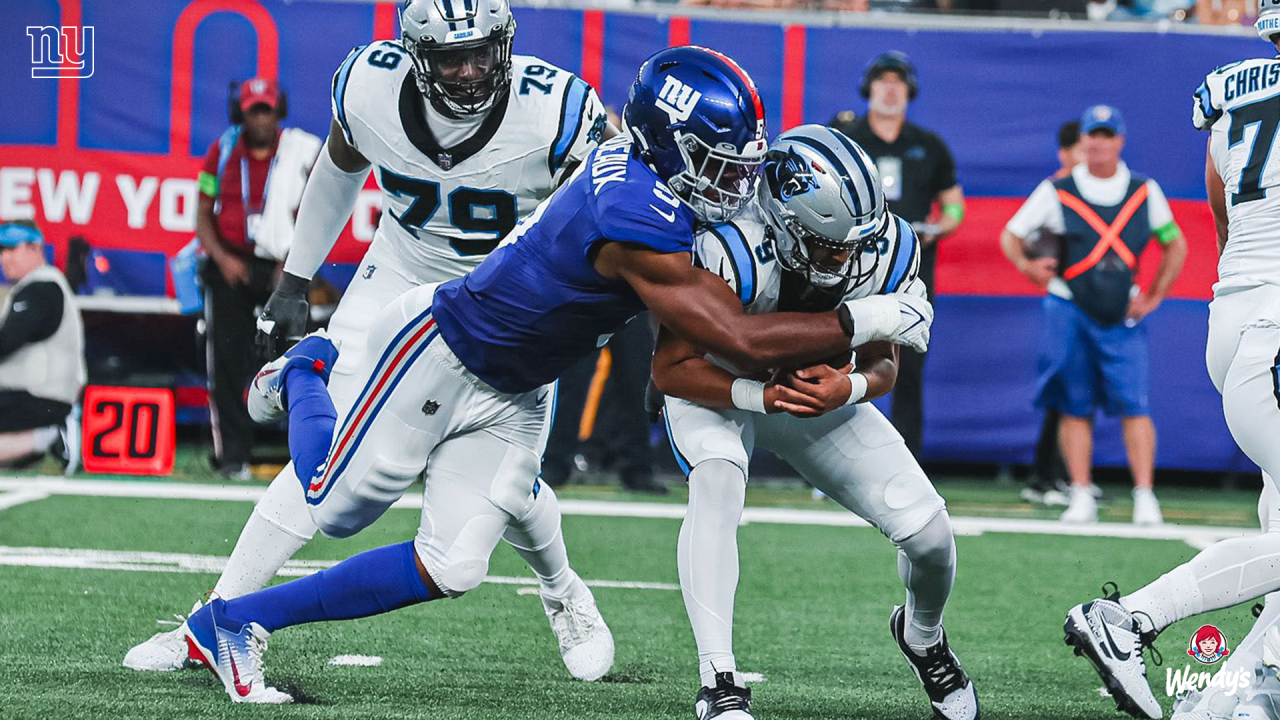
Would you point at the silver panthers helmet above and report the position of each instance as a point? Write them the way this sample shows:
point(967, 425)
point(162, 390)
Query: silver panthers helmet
point(461, 51)
point(1268, 24)
point(822, 199)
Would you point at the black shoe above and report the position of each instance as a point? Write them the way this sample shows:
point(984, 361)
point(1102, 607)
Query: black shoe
point(949, 689)
point(725, 700)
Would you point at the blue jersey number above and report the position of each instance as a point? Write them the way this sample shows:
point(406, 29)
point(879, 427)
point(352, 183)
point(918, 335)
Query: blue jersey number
point(533, 71)
point(384, 59)
point(470, 210)
point(764, 253)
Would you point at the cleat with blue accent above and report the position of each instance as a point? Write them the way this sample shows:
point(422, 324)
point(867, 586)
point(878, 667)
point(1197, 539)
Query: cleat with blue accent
point(315, 352)
point(233, 652)
point(950, 691)
point(1110, 637)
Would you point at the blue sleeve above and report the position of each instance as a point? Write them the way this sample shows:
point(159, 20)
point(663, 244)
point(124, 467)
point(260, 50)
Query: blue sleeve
point(625, 214)
point(573, 107)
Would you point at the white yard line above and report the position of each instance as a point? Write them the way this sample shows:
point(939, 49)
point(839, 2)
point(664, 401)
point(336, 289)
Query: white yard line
point(1195, 535)
point(18, 497)
point(141, 561)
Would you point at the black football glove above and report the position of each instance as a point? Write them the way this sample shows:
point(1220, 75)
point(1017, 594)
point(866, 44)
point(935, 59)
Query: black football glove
point(283, 321)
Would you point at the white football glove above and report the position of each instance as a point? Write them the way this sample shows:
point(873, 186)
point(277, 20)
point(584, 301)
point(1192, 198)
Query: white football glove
point(901, 318)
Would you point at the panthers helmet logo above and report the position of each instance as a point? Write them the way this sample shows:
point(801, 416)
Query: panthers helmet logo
point(788, 174)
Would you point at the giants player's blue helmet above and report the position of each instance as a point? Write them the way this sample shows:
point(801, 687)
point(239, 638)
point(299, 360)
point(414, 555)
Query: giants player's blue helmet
point(697, 120)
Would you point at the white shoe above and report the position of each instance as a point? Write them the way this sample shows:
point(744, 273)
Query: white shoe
point(1108, 635)
point(266, 393)
point(1212, 704)
point(1262, 700)
point(1146, 509)
point(234, 654)
point(586, 644)
point(164, 651)
point(1083, 507)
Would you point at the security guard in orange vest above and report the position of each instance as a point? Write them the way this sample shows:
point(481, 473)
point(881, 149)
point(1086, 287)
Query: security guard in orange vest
point(1095, 351)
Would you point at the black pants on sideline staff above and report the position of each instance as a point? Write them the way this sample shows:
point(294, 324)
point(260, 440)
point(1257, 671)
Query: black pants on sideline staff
point(20, 410)
point(907, 406)
point(230, 357)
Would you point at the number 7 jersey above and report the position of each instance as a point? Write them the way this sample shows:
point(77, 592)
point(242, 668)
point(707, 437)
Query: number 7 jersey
point(444, 209)
point(1239, 104)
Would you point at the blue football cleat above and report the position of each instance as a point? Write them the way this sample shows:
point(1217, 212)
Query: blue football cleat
point(233, 652)
point(315, 352)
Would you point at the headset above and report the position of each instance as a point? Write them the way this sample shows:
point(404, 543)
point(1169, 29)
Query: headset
point(893, 61)
point(236, 115)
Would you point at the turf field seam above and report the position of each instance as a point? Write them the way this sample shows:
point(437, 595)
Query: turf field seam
point(1195, 535)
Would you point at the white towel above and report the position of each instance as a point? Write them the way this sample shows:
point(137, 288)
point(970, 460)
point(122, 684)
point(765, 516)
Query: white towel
point(295, 156)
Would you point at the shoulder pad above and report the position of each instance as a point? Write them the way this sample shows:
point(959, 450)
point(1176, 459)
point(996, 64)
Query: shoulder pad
point(384, 57)
point(729, 250)
point(903, 255)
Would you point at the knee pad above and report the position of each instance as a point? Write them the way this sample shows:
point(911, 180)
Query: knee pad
point(934, 545)
point(540, 526)
point(718, 473)
point(462, 564)
point(718, 486)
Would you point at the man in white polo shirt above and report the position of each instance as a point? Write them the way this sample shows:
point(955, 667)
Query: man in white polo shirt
point(1095, 352)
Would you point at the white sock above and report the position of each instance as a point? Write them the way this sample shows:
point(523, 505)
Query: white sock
point(707, 557)
point(537, 538)
point(278, 527)
point(927, 566)
point(1224, 574)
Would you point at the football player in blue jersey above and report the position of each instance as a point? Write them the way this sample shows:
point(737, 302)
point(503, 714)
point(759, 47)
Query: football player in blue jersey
point(465, 138)
point(456, 374)
point(818, 235)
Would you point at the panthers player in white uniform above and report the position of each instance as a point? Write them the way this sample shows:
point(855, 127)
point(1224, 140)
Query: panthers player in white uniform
point(1239, 105)
point(464, 140)
point(821, 208)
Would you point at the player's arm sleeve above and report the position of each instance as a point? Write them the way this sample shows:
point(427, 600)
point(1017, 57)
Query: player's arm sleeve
point(35, 314)
point(1035, 213)
point(1206, 102)
point(1163, 226)
point(207, 179)
point(327, 202)
point(624, 215)
point(723, 249)
point(579, 130)
point(904, 260)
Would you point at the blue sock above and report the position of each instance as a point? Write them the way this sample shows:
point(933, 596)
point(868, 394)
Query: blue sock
point(373, 582)
point(311, 419)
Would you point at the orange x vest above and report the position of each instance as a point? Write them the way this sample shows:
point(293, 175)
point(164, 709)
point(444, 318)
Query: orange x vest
point(1100, 249)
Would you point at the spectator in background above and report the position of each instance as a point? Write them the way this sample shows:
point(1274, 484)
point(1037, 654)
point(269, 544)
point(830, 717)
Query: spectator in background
point(42, 368)
point(250, 187)
point(918, 172)
point(1046, 481)
point(1095, 352)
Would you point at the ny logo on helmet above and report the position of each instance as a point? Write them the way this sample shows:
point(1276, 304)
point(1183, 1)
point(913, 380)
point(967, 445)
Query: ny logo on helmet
point(788, 175)
point(677, 100)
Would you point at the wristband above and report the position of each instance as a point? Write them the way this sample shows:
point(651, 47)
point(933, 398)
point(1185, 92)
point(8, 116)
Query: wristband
point(859, 389)
point(955, 211)
point(748, 395)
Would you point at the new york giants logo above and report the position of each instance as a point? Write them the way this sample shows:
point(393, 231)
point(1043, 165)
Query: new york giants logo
point(61, 53)
point(677, 100)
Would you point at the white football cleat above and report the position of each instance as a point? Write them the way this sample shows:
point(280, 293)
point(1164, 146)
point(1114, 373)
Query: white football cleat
point(1109, 636)
point(315, 352)
point(1212, 704)
point(1146, 509)
point(586, 644)
point(164, 651)
point(233, 653)
point(1082, 509)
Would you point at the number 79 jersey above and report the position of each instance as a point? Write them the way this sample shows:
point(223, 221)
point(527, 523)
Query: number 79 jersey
point(1239, 104)
point(445, 209)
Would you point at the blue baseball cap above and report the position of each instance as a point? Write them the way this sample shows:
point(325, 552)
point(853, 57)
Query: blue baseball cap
point(1102, 117)
point(12, 235)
